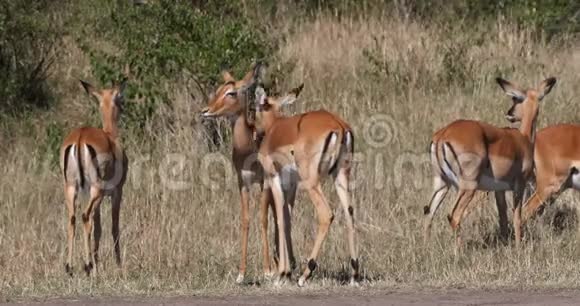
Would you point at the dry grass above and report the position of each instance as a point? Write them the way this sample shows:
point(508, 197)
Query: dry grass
point(396, 83)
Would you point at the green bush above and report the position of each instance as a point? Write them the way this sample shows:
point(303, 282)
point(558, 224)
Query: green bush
point(26, 44)
point(162, 41)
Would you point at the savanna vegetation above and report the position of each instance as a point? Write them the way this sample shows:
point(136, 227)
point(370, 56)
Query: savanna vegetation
point(396, 70)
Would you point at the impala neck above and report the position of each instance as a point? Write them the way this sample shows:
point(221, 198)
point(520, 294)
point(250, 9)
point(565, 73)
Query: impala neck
point(243, 133)
point(110, 124)
point(268, 118)
point(528, 127)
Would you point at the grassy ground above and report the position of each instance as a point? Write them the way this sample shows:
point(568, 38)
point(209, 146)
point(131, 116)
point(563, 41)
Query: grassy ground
point(396, 82)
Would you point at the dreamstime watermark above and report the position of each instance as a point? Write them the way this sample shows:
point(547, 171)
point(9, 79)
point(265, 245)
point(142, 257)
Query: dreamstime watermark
point(379, 131)
point(374, 165)
point(378, 163)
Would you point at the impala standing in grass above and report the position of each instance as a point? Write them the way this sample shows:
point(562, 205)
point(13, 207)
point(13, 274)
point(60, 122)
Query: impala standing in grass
point(472, 155)
point(557, 162)
point(229, 101)
point(306, 148)
point(92, 160)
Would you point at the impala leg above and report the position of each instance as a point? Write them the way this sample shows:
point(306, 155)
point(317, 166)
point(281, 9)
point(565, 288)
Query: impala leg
point(537, 203)
point(276, 232)
point(463, 199)
point(97, 231)
point(501, 204)
point(265, 202)
point(290, 197)
point(95, 199)
point(325, 218)
point(518, 193)
point(70, 193)
point(278, 194)
point(543, 193)
point(245, 227)
point(115, 212)
point(342, 189)
point(440, 189)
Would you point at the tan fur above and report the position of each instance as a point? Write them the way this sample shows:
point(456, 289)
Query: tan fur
point(556, 157)
point(93, 160)
point(314, 144)
point(244, 157)
point(473, 155)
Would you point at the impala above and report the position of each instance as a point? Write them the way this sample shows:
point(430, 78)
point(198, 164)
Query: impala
point(557, 160)
point(229, 101)
point(306, 148)
point(93, 161)
point(471, 155)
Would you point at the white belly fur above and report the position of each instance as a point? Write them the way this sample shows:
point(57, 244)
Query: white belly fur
point(248, 176)
point(575, 175)
point(289, 176)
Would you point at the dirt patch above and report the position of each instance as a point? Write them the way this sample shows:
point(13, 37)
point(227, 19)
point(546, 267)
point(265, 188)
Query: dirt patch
point(399, 297)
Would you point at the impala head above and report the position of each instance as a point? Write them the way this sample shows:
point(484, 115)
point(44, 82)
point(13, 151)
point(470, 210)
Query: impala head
point(268, 107)
point(110, 99)
point(228, 99)
point(525, 102)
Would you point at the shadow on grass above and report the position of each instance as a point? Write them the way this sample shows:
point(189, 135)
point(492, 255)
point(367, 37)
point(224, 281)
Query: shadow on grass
point(491, 240)
point(343, 275)
point(558, 219)
point(562, 219)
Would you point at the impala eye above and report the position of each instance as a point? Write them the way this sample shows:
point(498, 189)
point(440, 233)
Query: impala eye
point(231, 94)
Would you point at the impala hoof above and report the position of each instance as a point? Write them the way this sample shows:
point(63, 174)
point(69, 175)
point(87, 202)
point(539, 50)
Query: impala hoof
point(88, 268)
point(240, 279)
point(280, 280)
point(302, 281)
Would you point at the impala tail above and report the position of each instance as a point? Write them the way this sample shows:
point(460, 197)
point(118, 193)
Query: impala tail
point(89, 164)
point(445, 162)
point(72, 166)
point(338, 148)
point(450, 164)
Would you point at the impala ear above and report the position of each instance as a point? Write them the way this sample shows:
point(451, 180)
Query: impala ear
point(255, 75)
point(87, 86)
point(511, 89)
point(227, 76)
point(251, 80)
point(90, 89)
point(545, 87)
point(291, 96)
point(249, 75)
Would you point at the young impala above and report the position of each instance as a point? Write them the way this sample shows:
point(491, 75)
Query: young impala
point(306, 148)
point(472, 155)
point(230, 101)
point(557, 162)
point(92, 160)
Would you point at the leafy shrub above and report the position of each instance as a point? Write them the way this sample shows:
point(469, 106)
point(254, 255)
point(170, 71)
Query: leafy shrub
point(158, 42)
point(26, 43)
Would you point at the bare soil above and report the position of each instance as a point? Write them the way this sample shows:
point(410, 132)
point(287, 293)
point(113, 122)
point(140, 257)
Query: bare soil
point(397, 297)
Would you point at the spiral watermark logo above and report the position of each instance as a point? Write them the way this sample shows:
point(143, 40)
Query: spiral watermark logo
point(379, 130)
